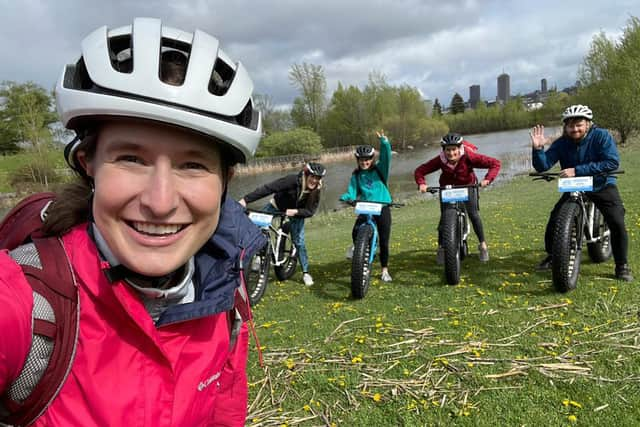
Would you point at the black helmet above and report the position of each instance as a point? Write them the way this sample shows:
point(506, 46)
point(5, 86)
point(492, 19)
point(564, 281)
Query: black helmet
point(315, 169)
point(451, 139)
point(365, 152)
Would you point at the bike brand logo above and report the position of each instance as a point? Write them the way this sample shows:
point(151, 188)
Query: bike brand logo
point(579, 183)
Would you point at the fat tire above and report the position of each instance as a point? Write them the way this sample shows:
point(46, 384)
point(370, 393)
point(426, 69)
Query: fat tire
point(565, 254)
point(451, 245)
point(360, 265)
point(288, 268)
point(600, 251)
point(256, 281)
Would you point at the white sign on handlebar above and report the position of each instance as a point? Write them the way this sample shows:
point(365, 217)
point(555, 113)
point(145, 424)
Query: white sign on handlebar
point(578, 183)
point(454, 195)
point(261, 219)
point(367, 208)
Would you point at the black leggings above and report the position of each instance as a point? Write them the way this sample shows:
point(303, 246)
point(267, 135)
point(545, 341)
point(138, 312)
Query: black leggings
point(472, 207)
point(383, 222)
point(608, 202)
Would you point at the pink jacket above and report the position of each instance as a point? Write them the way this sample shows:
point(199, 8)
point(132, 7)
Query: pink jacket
point(127, 371)
point(462, 173)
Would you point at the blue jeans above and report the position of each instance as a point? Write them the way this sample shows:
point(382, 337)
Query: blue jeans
point(297, 235)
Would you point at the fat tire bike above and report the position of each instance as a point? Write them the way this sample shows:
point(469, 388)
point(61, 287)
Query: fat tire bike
point(454, 227)
point(365, 246)
point(578, 221)
point(279, 252)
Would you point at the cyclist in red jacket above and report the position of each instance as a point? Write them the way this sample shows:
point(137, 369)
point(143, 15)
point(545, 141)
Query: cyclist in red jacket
point(456, 163)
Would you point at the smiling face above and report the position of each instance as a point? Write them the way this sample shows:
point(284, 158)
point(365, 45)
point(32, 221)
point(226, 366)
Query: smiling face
point(576, 128)
point(157, 193)
point(452, 153)
point(365, 163)
point(312, 182)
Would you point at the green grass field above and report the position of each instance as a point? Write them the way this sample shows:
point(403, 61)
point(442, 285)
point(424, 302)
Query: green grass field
point(500, 349)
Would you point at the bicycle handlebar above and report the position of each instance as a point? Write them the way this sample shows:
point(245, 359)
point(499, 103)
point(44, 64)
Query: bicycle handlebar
point(550, 176)
point(434, 190)
point(353, 203)
point(276, 213)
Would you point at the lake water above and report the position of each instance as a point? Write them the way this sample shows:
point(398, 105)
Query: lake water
point(511, 147)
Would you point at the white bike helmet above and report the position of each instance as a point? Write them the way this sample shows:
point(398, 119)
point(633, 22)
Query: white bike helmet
point(120, 74)
point(577, 111)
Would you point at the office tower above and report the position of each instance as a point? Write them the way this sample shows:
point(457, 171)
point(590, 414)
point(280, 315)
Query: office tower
point(504, 91)
point(474, 95)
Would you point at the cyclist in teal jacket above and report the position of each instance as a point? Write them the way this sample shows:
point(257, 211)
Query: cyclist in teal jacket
point(369, 183)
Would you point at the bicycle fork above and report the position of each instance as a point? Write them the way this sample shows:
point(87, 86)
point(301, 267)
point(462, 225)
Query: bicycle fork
point(374, 239)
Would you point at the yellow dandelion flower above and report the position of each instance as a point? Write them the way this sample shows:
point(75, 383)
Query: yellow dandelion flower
point(377, 397)
point(306, 408)
point(289, 363)
point(572, 418)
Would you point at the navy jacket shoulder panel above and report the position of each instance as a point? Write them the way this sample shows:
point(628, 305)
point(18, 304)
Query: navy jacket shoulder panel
point(217, 265)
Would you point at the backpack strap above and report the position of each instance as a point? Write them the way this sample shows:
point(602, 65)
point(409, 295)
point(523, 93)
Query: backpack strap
point(55, 326)
point(24, 219)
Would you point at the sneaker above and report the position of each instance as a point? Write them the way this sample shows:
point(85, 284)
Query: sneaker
point(484, 254)
point(440, 256)
point(545, 264)
point(386, 277)
point(307, 279)
point(623, 272)
point(350, 252)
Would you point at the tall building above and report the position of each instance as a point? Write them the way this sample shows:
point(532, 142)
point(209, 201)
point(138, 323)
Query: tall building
point(543, 85)
point(474, 95)
point(504, 90)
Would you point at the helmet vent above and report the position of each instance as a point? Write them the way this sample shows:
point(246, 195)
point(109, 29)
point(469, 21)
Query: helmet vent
point(121, 54)
point(221, 78)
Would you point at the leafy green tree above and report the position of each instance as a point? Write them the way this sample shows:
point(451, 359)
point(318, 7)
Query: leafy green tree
point(457, 104)
point(437, 108)
point(25, 115)
point(411, 110)
point(295, 141)
point(346, 121)
point(610, 80)
point(308, 109)
point(379, 98)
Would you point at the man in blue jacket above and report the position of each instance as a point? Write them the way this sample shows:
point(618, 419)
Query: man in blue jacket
point(585, 150)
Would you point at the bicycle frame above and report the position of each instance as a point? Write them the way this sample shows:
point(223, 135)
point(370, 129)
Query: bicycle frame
point(369, 211)
point(588, 211)
point(587, 208)
point(457, 200)
point(275, 233)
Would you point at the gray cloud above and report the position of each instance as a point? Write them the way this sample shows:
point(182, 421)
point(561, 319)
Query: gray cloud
point(438, 47)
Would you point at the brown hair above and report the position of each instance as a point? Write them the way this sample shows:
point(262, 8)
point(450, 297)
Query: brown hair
point(73, 202)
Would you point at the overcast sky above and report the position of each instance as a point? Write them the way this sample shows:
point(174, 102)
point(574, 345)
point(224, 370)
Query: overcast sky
point(440, 47)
